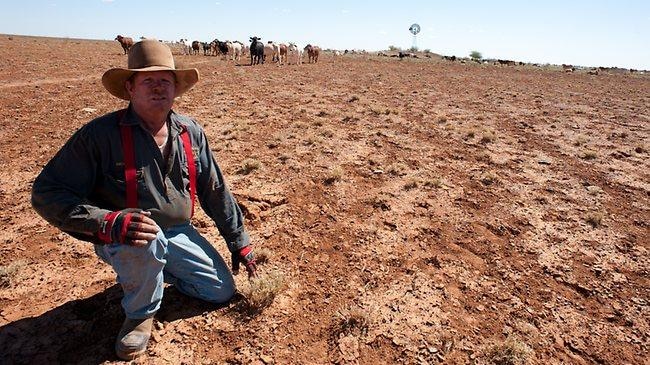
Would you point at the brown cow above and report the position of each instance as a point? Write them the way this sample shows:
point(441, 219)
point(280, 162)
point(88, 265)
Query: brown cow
point(312, 53)
point(568, 68)
point(283, 52)
point(126, 42)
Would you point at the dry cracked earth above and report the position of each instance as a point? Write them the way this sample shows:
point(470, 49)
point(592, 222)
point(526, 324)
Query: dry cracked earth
point(421, 211)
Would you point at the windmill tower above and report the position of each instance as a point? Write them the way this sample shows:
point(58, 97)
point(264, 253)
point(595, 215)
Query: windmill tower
point(414, 29)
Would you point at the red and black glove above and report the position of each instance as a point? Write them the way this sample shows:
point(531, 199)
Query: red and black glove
point(244, 256)
point(128, 226)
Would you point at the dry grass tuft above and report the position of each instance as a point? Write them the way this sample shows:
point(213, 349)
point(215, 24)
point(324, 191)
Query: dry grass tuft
point(262, 255)
point(510, 352)
point(327, 133)
point(333, 175)
point(411, 184)
point(350, 321)
point(249, 165)
point(10, 274)
point(487, 137)
point(589, 155)
point(260, 291)
point(594, 219)
point(488, 178)
point(397, 169)
point(580, 140)
point(435, 183)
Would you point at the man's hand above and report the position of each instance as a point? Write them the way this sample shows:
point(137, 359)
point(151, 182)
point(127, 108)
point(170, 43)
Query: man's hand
point(129, 226)
point(246, 257)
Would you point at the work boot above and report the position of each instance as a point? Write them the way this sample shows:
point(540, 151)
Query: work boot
point(133, 338)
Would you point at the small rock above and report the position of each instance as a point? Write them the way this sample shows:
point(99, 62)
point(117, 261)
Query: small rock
point(266, 359)
point(349, 346)
point(89, 110)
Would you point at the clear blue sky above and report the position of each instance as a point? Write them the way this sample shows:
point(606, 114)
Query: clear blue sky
point(588, 33)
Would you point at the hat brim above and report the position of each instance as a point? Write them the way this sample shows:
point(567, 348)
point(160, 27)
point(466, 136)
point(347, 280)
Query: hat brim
point(115, 78)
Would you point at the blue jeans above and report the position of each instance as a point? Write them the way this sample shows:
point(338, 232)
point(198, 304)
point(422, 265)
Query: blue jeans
point(180, 256)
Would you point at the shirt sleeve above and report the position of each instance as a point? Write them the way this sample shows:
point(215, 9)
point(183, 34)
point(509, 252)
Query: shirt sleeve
point(217, 201)
point(59, 192)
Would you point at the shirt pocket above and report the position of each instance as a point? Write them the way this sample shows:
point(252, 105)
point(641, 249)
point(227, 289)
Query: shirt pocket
point(115, 177)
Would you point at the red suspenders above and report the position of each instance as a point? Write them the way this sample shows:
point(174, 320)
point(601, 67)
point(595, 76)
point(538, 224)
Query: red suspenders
point(129, 167)
point(130, 175)
point(191, 168)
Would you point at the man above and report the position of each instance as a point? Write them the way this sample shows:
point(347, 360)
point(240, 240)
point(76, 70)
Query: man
point(128, 181)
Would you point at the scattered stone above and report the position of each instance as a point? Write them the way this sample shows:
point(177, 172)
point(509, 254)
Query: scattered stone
point(267, 359)
point(349, 347)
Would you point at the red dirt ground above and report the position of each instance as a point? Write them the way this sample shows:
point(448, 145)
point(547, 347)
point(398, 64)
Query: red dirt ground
point(422, 211)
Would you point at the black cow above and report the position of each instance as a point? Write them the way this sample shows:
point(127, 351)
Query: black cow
point(257, 51)
point(206, 48)
point(219, 47)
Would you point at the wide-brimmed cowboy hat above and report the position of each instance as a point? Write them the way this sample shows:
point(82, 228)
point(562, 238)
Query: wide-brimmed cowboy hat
point(148, 55)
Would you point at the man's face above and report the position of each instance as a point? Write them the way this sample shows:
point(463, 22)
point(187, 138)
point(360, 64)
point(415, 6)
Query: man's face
point(152, 91)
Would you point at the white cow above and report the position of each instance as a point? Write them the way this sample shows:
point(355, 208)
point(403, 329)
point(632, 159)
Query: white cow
point(237, 47)
point(295, 53)
point(273, 50)
point(185, 46)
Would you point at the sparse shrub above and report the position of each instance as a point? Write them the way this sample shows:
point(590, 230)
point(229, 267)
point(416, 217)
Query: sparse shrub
point(262, 255)
point(442, 119)
point(262, 290)
point(589, 155)
point(487, 137)
point(353, 99)
point(580, 140)
point(435, 183)
point(411, 184)
point(318, 123)
point(510, 352)
point(397, 169)
point(475, 55)
point(350, 119)
point(327, 133)
point(249, 165)
point(488, 179)
point(470, 134)
point(333, 175)
point(639, 149)
point(594, 219)
point(376, 111)
point(394, 49)
point(274, 143)
point(9, 274)
point(311, 140)
point(350, 321)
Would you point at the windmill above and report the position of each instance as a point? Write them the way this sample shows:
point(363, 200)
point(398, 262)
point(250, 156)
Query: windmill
point(414, 29)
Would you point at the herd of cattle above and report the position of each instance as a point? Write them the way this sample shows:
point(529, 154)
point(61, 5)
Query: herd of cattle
point(281, 53)
point(259, 52)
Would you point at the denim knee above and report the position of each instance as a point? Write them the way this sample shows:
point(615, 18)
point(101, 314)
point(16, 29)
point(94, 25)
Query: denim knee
point(218, 293)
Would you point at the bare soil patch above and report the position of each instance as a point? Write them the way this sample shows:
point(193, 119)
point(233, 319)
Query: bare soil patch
point(421, 211)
